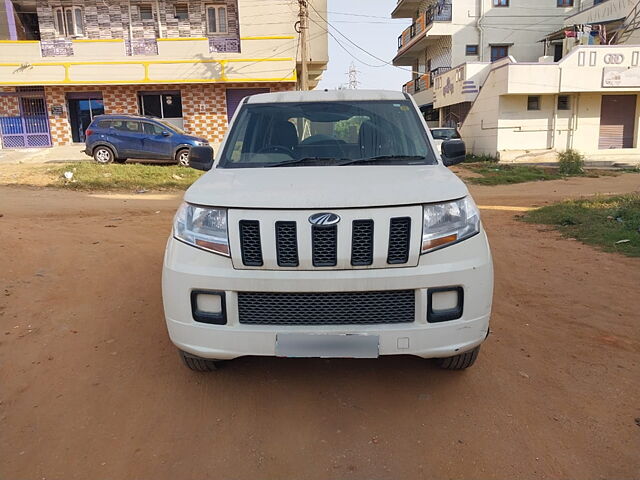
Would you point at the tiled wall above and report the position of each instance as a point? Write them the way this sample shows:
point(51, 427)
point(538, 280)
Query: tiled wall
point(110, 18)
point(204, 106)
point(9, 106)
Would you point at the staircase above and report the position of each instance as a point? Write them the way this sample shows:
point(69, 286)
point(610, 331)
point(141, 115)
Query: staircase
point(631, 24)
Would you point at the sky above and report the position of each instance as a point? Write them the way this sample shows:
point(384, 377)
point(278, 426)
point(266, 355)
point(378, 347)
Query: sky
point(357, 20)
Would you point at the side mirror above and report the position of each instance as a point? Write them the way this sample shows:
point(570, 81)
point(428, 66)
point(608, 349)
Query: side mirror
point(453, 152)
point(201, 158)
point(166, 134)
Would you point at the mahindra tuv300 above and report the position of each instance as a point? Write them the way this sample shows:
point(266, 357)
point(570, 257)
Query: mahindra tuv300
point(328, 226)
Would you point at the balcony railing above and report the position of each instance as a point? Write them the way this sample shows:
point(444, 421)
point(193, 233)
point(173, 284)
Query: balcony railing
point(440, 12)
point(424, 81)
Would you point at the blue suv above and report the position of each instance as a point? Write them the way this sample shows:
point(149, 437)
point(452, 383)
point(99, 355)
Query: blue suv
point(115, 138)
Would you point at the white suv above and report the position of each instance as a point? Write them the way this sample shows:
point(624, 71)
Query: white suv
point(328, 227)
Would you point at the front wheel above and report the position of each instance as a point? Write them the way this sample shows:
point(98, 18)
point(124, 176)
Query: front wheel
point(182, 157)
point(103, 155)
point(198, 364)
point(459, 362)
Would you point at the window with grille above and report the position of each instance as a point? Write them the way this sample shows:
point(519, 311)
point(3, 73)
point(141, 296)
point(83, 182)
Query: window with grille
point(217, 19)
point(146, 12)
point(564, 103)
point(68, 21)
point(181, 11)
point(533, 102)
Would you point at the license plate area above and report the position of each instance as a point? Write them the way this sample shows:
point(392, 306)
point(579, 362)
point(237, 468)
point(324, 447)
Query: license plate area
point(305, 345)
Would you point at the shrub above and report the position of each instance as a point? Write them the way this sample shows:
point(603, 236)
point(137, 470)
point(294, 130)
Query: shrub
point(571, 162)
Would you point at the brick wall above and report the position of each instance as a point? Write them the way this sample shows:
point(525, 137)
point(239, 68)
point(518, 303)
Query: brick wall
point(204, 106)
point(110, 18)
point(9, 106)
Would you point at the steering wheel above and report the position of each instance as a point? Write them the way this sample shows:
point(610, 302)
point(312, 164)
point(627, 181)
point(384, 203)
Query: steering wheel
point(276, 149)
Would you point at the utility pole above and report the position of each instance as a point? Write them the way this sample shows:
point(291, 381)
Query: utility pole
point(304, 47)
point(353, 76)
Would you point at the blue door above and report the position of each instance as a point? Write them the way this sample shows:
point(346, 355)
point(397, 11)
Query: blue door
point(31, 127)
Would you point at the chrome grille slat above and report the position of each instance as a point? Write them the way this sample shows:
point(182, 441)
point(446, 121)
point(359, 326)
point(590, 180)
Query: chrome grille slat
point(331, 308)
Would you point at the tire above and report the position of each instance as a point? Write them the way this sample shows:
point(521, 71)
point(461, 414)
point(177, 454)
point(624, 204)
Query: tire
point(120, 160)
point(103, 155)
point(198, 364)
point(182, 157)
point(459, 362)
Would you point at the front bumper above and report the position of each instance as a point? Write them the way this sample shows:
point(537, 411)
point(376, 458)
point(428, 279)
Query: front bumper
point(467, 264)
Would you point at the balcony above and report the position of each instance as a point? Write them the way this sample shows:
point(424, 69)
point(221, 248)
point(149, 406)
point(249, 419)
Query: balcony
point(422, 87)
point(406, 9)
point(169, 60)
point(412, 36)
point(458, 84)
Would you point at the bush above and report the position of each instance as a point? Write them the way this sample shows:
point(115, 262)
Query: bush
point(571, 163)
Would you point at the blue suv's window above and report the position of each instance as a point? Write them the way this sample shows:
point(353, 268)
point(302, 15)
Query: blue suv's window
point(104, 124)
point(152, 129)
point(126, 126)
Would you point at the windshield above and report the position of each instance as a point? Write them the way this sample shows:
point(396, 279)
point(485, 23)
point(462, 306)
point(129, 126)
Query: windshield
point(327, 133)
point(444, 133)
point(171, 126)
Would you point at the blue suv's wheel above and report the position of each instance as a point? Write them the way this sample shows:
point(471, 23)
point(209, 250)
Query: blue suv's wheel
point(103, 155)
point(182, 157)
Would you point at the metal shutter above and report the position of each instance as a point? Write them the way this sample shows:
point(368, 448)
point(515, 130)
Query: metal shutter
point(617, 121)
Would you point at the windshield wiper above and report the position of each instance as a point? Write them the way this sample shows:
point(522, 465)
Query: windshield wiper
point(304, 160)
point(381, 158)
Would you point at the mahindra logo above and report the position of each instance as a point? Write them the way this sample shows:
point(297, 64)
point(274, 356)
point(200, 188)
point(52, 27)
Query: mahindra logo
point(324, 219)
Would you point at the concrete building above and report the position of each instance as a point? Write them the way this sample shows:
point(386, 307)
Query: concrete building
point(582, 95)
point(446, 33)
point(62, 62)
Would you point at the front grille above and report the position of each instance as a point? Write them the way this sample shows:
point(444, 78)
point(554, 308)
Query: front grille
point(287, 244)
point(399, 240)
point(250, 243)
point(362, 243)
point(324, 246)
point(336, 308)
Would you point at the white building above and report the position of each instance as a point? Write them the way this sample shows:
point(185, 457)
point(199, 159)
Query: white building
point(584, 97)
point(576, 86)
point(447, 33)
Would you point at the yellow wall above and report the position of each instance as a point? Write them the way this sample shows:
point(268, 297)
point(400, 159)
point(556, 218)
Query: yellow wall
point(268, 54)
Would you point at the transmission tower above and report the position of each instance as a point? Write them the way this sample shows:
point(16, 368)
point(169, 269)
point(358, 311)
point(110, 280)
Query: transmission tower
point(353, 76)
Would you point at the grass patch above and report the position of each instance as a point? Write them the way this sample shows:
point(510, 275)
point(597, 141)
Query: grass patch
point(498, 174)
point(133, 176)
point(600, 221)
point(471, 158)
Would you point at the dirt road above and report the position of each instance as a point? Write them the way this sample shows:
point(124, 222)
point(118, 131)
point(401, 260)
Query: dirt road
point(90, 386)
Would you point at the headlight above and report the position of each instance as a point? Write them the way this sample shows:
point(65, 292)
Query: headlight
point(448, 223)
point(202, 227)
point(198, 143)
